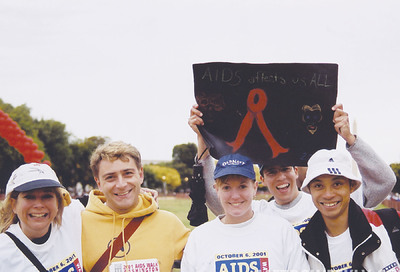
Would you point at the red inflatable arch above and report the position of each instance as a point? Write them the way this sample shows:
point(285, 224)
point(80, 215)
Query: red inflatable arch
point(16, 137)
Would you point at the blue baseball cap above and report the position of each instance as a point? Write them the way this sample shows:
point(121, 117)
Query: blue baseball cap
point(234, 164)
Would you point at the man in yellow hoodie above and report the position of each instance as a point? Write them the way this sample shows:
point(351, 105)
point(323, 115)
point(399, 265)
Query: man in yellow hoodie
point(158, 236)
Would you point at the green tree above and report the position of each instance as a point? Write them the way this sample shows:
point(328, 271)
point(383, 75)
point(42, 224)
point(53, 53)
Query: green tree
point(182, 160)
point(150, 180)
point(162, 175)
point(56, 140)
point(184, 153)
point(10, 158)
point(396, 169)
point(81, 152)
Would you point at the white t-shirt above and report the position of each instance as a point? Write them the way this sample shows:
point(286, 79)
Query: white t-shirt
point(340, 251)
point(62, 251)
point(299, 211)
point(265, 242)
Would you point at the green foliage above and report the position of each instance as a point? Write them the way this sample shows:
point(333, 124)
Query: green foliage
point(164, 174)
point(56, 140)
point(184, 153)
point(69, 160)
point(82, 150)
point(10, 158)
point(183, 159)
point(396, 169)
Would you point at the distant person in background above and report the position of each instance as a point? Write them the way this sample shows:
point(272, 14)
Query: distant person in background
point(40, 215)
point(122, 226)
point(378, 178)
point(242, 238)
point(339, 236)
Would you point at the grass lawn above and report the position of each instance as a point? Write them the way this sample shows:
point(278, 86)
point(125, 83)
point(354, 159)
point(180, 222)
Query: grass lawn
point(180, 206)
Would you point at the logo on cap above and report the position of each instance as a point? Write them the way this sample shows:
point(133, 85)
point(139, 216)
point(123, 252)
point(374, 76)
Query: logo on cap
point(233, 162)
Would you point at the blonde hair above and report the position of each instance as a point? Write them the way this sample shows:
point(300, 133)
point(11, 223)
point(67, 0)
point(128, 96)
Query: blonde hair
point(114, 151)
point(224, 179)
point(8, 217)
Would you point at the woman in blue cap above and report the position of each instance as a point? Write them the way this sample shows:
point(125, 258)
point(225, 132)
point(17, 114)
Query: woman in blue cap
point(241, 240)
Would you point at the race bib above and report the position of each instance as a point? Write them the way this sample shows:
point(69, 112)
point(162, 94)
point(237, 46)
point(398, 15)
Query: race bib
point(148, 265)
point(249, 261)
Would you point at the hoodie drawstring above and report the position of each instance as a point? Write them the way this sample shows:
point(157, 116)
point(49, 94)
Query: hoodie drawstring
point(112, 243)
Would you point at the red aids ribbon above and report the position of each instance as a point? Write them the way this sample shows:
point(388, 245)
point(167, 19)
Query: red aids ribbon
point(255, 111)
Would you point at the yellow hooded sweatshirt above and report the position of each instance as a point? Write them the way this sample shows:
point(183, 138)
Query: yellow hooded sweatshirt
point(160, 236)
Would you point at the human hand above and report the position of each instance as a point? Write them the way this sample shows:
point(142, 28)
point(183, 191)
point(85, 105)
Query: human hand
point(152, 192)
point(195, 119)
point(342, 124)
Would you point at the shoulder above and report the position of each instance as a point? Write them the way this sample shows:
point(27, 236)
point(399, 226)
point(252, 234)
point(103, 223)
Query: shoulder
point(260, 205)
point(5, 242)
point(273, 221)
point(166, 219)
point(206, 229)
point(165, 215)
point(75, 207)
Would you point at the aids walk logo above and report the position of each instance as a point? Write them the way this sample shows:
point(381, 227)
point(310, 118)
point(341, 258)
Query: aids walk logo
point(242, 262)
point(69, 264)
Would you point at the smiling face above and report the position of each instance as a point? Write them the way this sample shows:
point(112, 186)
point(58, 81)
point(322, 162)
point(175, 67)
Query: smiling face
point(281, 182)
point(236, 194)
point(120, 183)
point(36, 210)
point(331, 196)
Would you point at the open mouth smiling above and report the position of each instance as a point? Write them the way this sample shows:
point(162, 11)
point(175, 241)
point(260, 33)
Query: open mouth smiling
point(38, 215)
point(236, 204)
point(283, 186)
point(330, 204)
point(124, 193)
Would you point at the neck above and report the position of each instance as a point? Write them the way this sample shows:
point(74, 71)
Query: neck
point(43, 239)
point(286, 202)
point(227, 219)
point(337, 226)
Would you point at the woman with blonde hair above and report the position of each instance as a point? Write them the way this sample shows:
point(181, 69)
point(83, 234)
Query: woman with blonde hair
point(40, 226)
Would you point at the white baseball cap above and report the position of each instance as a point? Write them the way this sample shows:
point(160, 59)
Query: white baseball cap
point(32, 176)
point(330, 162)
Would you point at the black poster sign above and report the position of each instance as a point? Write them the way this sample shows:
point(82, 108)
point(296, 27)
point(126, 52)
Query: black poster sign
point(276, 113)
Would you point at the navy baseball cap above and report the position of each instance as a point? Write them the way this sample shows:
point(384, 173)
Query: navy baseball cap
point(234, 164)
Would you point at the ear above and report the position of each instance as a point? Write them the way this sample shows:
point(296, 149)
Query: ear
point(13, 204)
point(296, 171)
point(255, 188)
point(215, 187)
point(353, 184)
point(141, 175)
point(263, 180)
point(98, 183)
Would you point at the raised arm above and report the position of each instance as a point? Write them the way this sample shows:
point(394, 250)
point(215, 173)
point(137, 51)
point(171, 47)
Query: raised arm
point(377, 177)
point(206, 161)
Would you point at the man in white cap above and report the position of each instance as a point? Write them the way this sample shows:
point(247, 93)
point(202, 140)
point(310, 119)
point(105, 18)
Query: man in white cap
point(339, 236)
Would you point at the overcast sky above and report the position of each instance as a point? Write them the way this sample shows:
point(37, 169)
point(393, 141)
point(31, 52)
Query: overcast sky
point(123, 69)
